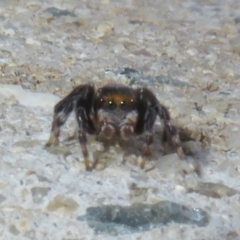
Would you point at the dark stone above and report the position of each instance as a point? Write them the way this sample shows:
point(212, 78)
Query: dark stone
point(142, 217)
point(139, 79)
point(60, 12)
point(237, 20)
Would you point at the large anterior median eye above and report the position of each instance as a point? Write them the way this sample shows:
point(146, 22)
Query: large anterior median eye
point(111, 105)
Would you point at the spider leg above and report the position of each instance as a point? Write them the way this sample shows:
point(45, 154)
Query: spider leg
point(82, 137)
point(164, 115)
point(85, 125)
point(61, 112)
point(150, 119)
point(149, 107)
point(145, 122)
point(63, 109)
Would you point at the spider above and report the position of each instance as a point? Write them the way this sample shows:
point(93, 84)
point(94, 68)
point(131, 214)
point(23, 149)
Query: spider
point(113, 110)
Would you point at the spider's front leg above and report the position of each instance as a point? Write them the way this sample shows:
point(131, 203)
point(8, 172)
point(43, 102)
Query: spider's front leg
point(150, 119)
point(149, 108)
point(61, 112)
point(146, 119)
point(80, 100)
point(85, 125)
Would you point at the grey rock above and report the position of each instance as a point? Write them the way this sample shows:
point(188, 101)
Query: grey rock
point(142, 217)
point(38, 193)
point(56, 12)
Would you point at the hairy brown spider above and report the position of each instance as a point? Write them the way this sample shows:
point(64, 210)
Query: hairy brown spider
point(113, 111)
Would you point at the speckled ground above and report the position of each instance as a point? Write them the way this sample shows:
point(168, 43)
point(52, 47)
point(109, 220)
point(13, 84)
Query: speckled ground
point(187, 52)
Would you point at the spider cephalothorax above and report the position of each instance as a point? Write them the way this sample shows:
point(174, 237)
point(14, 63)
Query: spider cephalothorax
point(113, 111)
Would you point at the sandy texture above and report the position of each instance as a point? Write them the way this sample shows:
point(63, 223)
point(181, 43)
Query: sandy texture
point(187, 52)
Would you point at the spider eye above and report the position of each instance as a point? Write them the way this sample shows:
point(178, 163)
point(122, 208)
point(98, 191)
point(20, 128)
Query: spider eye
point(111, 105)
point(123, 105)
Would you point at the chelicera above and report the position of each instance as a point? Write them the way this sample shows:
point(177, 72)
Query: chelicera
point(113, 111)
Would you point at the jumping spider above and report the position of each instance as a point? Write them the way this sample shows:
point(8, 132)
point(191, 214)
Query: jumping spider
point(113, 111)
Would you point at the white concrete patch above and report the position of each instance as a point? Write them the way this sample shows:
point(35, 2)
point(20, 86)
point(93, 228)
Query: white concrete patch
point(26, 97)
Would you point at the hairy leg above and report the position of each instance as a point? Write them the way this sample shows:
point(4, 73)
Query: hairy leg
point(61, 112)
point(151, 117)
point(148, 103)
point(63, 109)
point(164, 115)
point(85, 126)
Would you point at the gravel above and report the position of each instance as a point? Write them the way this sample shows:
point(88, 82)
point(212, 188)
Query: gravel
point(187, 52)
